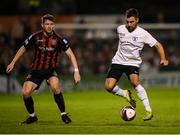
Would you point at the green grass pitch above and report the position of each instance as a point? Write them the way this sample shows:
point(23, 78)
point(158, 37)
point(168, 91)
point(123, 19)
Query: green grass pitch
point(92, 112)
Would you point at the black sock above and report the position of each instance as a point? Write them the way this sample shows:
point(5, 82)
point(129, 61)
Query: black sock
point(29, 104)
point(60, 101)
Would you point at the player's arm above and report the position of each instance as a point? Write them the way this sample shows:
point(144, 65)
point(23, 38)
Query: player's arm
point(73, 60)
point(161, 53)
point(18, 55)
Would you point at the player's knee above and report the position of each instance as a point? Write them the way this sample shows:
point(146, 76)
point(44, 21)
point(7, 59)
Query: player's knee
point(26, 93)
point(135, 83)
point(109, 87)
point(56, 90)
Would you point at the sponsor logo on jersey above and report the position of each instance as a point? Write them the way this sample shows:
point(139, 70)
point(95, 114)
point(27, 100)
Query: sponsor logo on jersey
point(46, 48)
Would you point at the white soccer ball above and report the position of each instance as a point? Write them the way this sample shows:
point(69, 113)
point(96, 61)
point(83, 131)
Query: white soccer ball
point(127, 113)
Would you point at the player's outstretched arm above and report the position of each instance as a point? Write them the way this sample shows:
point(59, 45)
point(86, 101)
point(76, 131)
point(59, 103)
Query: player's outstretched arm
point(73, 60)
point(160, 50)
point(18, 55)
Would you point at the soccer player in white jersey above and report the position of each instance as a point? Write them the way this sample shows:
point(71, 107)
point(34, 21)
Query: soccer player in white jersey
point(127, 60)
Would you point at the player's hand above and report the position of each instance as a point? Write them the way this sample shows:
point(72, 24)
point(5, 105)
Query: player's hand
point(77, 77)
point(10, 67)
point(164, 62)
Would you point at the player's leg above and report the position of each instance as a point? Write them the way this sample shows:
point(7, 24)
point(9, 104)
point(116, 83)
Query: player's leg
point(28, 88)
point(58, 97)
point(141, 92)
point(112, 87)
point(33, 81)
point(113, 75)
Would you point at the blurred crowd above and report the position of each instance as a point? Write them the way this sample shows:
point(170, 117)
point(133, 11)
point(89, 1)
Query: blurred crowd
point(94, 54)
point(170, 9)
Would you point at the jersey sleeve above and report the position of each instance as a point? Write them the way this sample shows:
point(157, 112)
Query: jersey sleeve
point(65, 44)
point(150, 40)
point(28, 43)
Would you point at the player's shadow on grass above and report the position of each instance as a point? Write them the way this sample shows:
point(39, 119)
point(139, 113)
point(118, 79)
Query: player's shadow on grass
point(145, 124)
point(122, 124)
point(41, 122)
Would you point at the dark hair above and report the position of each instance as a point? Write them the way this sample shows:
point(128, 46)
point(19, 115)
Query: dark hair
point(47, 17)
point(132, 12)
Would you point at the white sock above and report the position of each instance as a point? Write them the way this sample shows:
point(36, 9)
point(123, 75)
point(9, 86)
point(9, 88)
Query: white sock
point(141, 92)
point(118, 91)
point(63, 113)
point(32, 114)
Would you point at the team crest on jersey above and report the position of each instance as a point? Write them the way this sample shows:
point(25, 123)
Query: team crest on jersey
point(134, 38)
point(54, 41)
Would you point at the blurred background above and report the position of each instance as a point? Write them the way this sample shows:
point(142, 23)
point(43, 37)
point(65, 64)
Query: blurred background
point(90, 27)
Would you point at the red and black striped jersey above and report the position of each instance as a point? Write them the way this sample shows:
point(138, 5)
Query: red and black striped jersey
point(46, 48)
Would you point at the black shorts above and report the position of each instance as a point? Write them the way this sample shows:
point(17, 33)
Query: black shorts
point(37, 76)
point(116, 71)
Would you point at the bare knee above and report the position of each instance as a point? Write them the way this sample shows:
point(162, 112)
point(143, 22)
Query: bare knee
point(56, 90)
point(134, 79)
point(108, 86)
point(55, 85)
point(135, 83)
point(28, 88)
point(26, 92)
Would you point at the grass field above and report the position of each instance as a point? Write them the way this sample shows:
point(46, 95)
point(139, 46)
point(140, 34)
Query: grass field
point(92, 112)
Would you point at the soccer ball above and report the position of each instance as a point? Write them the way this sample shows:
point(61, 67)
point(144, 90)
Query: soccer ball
point(127, 113)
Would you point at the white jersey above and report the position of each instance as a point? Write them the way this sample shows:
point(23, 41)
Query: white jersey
point(131, 44)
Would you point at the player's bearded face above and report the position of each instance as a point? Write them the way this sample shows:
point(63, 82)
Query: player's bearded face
point(131, 23)
point(48, 26)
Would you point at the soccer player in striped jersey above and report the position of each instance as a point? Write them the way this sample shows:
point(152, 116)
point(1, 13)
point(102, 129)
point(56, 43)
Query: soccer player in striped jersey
point(47, 45)
point(132, 39)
